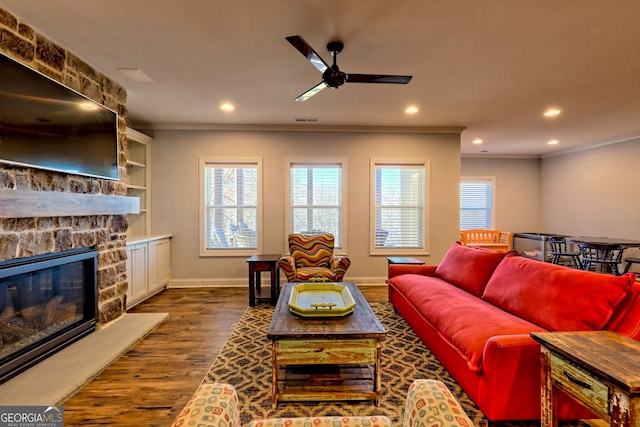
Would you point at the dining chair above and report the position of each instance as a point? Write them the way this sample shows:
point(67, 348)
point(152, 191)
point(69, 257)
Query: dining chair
point(563, 253)
point(628, 262)
point(602, 258)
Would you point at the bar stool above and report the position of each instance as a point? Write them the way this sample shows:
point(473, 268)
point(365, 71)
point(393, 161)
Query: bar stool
point(602, 258)
point(562, 254)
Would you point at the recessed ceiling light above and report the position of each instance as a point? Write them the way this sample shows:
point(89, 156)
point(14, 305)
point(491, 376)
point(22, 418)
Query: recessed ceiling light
point(477, 141)
point(552, 112)
point(553, 142)
point(227, 106)
point(412, 109)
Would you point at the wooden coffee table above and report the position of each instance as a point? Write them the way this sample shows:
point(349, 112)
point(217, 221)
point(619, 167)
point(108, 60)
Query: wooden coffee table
point(325, 359)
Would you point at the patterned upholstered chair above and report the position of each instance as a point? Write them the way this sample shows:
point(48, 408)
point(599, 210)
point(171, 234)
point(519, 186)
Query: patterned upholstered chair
point(311, 259)
point(429, 403)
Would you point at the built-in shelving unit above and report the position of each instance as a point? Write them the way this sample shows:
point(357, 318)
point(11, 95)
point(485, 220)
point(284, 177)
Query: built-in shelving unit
point(138, 181)
point(148, 256)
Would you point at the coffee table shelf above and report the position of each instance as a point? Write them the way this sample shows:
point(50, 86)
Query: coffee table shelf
point(326, 383)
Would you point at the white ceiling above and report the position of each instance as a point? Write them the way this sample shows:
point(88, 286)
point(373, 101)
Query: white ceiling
point(490, 66)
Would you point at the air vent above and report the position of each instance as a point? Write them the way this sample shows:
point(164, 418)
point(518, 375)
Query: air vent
point(306, 119)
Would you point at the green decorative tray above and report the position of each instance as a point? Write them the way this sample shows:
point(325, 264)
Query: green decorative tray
point(321, 300)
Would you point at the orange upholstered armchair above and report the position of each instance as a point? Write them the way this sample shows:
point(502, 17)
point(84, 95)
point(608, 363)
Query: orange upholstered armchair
point(311, 258)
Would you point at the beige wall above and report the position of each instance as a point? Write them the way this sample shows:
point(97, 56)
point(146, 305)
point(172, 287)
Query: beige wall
point(518, 205)
point(593, 192)
point(175, 207)
point(590, 192)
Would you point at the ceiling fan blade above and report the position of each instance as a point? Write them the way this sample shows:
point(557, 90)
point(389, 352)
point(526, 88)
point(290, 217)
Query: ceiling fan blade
point(304, 48)
point(377, 78)
point(308, 94)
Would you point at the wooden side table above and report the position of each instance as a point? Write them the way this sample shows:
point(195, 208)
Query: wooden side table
point(258, 264)
point(599, 369)
point(404, 260)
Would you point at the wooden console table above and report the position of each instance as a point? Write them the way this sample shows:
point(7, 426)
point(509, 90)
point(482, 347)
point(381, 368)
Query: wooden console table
point(403, 260)
point(599, 369)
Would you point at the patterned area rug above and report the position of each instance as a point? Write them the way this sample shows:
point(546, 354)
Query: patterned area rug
point(245, 362)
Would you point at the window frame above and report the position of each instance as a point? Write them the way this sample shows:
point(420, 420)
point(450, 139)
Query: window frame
point(483, 179)
point(289, 162)
point(425, 164)
point(205, 162)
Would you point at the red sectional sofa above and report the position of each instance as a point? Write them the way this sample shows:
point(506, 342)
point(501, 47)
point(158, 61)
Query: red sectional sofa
point(476, 309)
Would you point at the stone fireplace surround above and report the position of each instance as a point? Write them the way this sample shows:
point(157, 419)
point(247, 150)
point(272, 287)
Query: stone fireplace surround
point(32, 228)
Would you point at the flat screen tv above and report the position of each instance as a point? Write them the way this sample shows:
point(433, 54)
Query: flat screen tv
point(46, 125)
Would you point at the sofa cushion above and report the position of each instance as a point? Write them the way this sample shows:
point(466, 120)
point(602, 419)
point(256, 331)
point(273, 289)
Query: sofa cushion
point(468, 268)
point(463, 320)
point(626, 318)
point(555, 297)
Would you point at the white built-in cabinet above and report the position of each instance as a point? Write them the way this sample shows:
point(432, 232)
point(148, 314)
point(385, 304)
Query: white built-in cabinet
point(148, 267)
point(137, 273)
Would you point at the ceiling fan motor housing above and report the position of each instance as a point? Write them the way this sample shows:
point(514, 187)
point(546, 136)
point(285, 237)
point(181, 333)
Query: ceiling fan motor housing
point(333, 77)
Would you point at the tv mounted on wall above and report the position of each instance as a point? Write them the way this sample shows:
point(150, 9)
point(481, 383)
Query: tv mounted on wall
point(46, 125)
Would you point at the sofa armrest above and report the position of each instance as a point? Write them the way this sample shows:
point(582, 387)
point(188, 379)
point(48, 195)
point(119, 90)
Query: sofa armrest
point(430, 403)
point(515, 358)
point(500, 349)
point(211, 404)
point(398, 269)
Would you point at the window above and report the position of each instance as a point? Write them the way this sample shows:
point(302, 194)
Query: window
point(231, 206)
point(476, 203)
point(316, 198)
point(399, 195)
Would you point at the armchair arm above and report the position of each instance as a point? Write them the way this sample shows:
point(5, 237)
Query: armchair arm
point(288, 265)
point(429, 402)
point(340, 265)
point(211, 404)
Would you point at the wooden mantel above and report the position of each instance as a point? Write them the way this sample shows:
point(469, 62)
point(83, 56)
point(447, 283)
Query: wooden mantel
point(30, 204)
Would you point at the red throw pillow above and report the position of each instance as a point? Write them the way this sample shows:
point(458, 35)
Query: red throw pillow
point(555, 297)
point(626, 318)
point(468, 268)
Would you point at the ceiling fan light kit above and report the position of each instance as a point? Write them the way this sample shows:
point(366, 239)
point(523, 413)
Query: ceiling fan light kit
point(332, 77)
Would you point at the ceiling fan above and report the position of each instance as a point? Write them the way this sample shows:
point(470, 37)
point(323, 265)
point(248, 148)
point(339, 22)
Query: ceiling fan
point(332, 77)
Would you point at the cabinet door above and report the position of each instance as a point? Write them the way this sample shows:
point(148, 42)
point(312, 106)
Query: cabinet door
point(159, 264)
point(136, 273)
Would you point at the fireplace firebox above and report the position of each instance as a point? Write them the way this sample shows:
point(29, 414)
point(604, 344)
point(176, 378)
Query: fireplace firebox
point(46, 303)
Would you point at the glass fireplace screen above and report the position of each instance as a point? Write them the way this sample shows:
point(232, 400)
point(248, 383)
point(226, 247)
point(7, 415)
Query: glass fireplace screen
point(46, 302)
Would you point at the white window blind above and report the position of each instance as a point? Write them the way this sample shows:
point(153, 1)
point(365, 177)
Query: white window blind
point(316, 199)
point(231, 205)
point(399, 204)
point(476, 203)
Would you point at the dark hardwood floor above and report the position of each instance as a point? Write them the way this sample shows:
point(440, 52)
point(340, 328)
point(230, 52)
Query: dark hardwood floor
point(150, 384)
